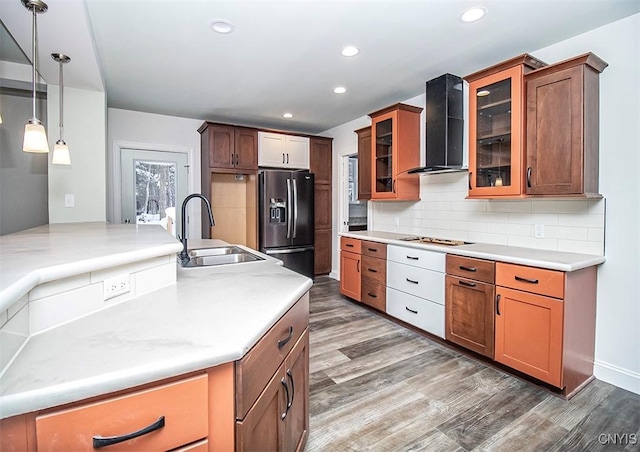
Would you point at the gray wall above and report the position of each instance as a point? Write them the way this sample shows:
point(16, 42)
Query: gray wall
point(23, 177)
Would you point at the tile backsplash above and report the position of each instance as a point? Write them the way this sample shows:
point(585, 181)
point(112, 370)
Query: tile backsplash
point(571, 225)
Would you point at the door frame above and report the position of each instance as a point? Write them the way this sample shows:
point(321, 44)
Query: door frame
point(193, 179)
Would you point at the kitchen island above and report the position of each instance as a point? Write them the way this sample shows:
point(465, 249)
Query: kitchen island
point(173, 322)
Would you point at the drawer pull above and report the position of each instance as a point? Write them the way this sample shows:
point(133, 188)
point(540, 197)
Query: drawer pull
point(468, 269)
point(531, 281)
point(283, 342)
point(413, 258)
point(372, 270)
point(104, 441)
point(293, 389)
point(411, 281)
point(498, 304)
point(465, 283)
point(349, 245)
point(286, 391)
point(411, 310)
point(372, 295)
point(373, 250)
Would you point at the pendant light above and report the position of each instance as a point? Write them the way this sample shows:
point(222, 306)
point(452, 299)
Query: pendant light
point(35, 137)
point(61, 150)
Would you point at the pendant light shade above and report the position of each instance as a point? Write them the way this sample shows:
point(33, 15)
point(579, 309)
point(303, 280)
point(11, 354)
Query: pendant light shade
point(35, 137)
point(61, 150)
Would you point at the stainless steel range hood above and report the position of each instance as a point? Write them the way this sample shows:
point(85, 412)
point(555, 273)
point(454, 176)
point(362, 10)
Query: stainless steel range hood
point(445, 144)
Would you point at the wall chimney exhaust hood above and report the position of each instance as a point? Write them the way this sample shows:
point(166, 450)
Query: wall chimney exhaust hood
point(444, 111)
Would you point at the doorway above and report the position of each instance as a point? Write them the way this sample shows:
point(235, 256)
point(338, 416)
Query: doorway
point(356, 213)
point(153, 186)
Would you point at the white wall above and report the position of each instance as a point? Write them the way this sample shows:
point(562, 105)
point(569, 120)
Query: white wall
point(162, 133)
point(84, 132)
point(569, 225)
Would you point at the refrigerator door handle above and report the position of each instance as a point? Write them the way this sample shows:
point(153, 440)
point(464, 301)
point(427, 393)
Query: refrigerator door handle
point(295, 209)
point(289, 208)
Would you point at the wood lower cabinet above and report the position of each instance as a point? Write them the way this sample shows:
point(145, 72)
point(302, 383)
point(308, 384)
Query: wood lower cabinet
point(350, 267)
point(320, 166)
point(562, 127)
point(545, 323)
point(364, 163)
point(260, 402)
point(469, 305)
point(279, 419)
point(374, 275)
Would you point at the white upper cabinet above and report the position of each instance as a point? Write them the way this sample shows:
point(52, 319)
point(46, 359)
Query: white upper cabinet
point(276, 150)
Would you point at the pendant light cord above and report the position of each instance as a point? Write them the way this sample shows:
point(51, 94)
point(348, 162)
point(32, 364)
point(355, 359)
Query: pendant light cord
point(61, 101)
point(34, 36)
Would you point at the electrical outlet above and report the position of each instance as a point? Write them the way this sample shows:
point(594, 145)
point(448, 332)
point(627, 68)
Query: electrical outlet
point(538, 231)
point(69, 200)
point(115, 286)
point(396, 221)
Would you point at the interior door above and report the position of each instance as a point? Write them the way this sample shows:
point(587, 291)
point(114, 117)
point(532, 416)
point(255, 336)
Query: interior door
point(153, 186)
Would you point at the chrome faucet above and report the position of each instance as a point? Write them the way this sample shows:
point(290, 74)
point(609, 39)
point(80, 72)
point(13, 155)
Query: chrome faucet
point(184, 256)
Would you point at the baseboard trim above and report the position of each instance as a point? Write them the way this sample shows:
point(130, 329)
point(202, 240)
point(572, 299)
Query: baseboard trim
point(617, 376)
point(334, 275)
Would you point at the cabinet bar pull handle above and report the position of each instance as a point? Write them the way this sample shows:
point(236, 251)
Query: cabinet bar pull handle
point(498, 304)
point(521, 279)
point(372, 295)
point(465, 283)
point(293, 389)
point(286, 390)
point(394, 186)
point(411, 310)
point(470, 173)
point(349, 245)
point(468, 269)
point(529, 177)
point(287, 158)
point(283, 157)
point(373, 250)
point(411, 281)
point(358, 266)
point(104, 441)
point(372, 270)
point(283, 342)
point(413, 258)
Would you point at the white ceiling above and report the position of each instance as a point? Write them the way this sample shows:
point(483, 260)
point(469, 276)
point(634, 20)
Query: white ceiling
point(160, 56)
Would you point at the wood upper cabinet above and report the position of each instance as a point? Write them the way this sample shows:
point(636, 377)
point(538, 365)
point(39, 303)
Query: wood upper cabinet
point(350, 268)
point(364, 163)
point(227, 148)
point(395, 149)
point(469, 306)
point(545, 323)
point(320, 159)
point(562, 127)
point(496, 128)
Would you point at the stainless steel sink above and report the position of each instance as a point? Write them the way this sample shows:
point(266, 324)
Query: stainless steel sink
point(222, 255)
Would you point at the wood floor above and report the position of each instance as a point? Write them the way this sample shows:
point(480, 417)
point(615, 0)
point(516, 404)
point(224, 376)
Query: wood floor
point(378, 386)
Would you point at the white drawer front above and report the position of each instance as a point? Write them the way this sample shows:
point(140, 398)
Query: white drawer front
point(431, 260)
point(416, 281)
point(422, 313)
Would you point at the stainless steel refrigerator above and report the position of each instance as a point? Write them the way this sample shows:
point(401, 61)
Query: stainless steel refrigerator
point(286, 218)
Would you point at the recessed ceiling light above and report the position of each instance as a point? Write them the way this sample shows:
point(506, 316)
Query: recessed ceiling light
point(287, 115)
point(473, 14)
point(221, 26)
point(350, 51)
point(339, 90)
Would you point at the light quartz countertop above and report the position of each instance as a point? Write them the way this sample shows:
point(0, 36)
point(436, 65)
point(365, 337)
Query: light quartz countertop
point(212, 315)
point(553, 260)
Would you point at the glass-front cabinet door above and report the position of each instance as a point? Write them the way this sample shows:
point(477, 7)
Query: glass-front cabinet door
point(495, 134)
point(383, 144)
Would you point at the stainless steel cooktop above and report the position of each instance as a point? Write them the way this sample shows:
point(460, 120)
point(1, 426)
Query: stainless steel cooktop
point(435, 241)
